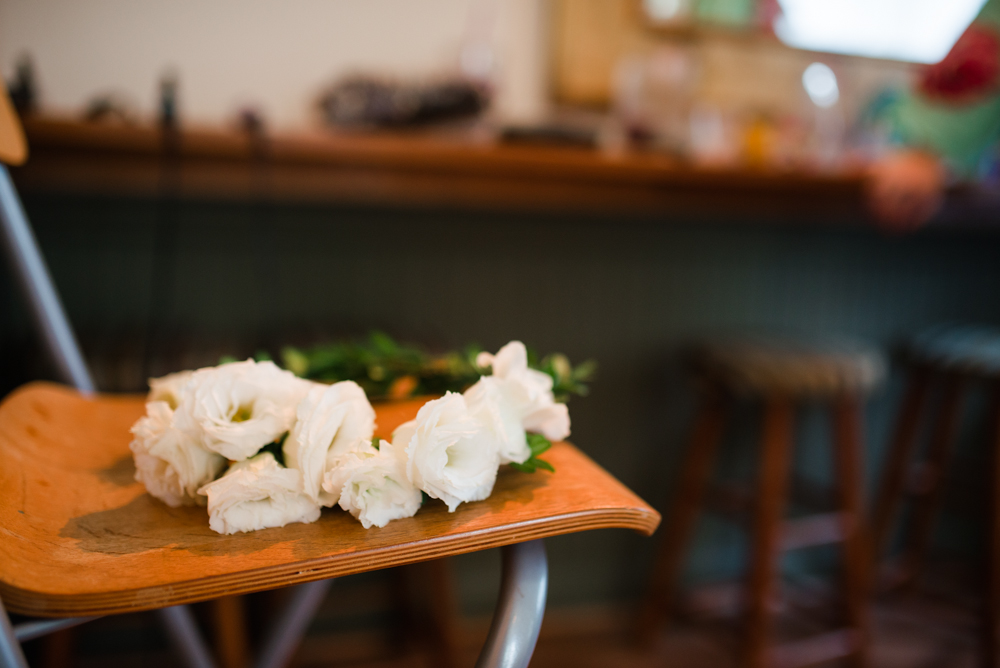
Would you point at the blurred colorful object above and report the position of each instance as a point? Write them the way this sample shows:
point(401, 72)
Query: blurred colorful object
point(387, 368)
point(921, 31)
point(970, 69)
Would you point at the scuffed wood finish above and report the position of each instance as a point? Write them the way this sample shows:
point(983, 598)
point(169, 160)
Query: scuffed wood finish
point(81, 537)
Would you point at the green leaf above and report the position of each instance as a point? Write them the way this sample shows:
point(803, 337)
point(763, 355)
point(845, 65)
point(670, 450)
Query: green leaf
point(538, 444)
point(375, 442)
point(542, 464)
point(532, 464)
point(227, 359)
point(262, 356)
point(527, 467)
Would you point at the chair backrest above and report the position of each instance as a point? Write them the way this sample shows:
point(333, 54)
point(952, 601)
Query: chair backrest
point(13, 147)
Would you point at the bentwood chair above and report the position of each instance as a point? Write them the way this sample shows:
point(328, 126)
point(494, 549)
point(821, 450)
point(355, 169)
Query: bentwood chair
point(82, 539)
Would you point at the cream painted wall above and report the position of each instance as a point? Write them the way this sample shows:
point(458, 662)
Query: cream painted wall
point(274, 53)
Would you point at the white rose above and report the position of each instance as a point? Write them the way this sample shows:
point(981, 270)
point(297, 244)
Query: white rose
point(516, 393)
point(450, 454)
point(169, 388)
point(329, 421)
point(170, 463)
point(489, 402)
point(550, 421)
point(257, 493)
point(236, 409)
point(372, 484)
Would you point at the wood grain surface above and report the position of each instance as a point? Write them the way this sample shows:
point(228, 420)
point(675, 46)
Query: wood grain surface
point(81, 537)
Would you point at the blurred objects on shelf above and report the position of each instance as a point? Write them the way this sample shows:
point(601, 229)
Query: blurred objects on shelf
point(658, 106)
point(250, 119)
point(713, 137)
point(653, 97)
point(367, 101)
point(716, 88)
point(742, 14)
point(552, 133)
point(168, 101)
point(829, 127)
point(110, 107)
point(23, 88)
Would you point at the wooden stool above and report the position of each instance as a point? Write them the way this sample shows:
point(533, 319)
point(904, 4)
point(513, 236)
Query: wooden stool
point(950, 359)
point(779, 374)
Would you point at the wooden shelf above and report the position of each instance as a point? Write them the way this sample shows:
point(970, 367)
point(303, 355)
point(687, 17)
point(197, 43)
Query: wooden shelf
point(412, 169)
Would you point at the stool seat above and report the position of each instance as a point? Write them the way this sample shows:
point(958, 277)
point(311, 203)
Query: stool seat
point(966, 349)
point(766, 366)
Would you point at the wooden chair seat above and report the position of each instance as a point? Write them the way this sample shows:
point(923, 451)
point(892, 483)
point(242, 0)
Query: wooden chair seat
point(964, 349)
point(793, 368)
point(81, 537)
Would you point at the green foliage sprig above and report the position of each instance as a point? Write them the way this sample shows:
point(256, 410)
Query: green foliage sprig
point(385, 368)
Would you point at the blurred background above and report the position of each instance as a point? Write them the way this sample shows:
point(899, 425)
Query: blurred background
point(616, 180)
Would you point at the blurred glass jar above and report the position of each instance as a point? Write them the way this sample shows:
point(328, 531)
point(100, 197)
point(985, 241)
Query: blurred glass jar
point(653, 95)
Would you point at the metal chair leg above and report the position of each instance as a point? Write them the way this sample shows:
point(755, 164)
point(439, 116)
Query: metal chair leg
point(185, 637)
point(518, 617)
point(11, 655)
point(286, 635)
point(40, 294)
point(37, 628)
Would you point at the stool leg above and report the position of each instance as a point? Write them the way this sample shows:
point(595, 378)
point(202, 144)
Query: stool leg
point(899, 458)
point(927, 505)
point(991, 620)
point(444, 613)
point(772, 493)
point(705, 437)
point(849, 448)
point(230, 631)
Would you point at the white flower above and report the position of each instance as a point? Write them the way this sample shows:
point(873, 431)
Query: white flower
point(450, 454)
point(516, 399)
point(489, 402)
point(550, 421)
point(329, 421)
point(170, 463)
point(257, 493)
point(238, 408)
point(372, 484)
point(169, 387)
